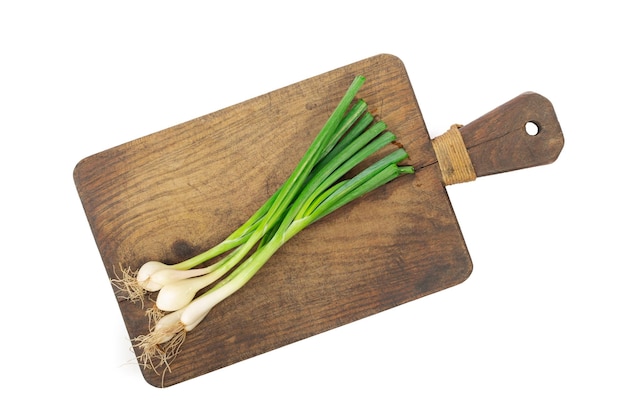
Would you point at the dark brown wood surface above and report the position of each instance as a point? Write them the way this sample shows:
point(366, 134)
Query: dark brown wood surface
point(499, 142)
point(174, 193)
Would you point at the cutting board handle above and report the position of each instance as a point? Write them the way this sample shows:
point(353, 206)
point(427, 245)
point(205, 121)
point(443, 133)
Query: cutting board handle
point(521, 133)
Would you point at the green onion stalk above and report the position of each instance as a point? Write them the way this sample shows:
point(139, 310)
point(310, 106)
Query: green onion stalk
point(317, 187)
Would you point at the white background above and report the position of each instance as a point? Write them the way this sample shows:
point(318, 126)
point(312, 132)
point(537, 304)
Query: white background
point(538, 328)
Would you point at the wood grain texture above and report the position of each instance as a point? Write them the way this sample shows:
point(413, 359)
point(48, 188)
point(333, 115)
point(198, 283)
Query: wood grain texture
point(499, 142)
point(174, 193)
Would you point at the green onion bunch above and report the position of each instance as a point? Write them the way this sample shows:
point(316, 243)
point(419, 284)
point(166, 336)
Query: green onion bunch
point(317, 187)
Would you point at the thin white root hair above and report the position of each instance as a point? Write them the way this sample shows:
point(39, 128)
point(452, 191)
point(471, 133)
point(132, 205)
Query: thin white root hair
point(154, 315)
point(128, 286)
point(156, 354)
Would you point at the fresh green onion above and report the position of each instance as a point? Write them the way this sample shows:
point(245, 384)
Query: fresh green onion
point(317, 187)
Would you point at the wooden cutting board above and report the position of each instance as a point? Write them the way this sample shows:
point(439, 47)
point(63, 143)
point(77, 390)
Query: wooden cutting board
point(172, 194)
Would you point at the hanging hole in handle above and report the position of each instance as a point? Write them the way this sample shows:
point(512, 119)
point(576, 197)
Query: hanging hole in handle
point(532, 128)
